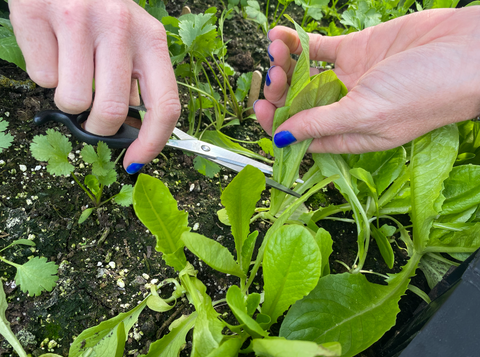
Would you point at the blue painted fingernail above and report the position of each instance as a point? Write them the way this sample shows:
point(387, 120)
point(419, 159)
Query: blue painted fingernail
point(283, 138)
point(269, 55)
point(267, 77)
point(268, 35)
point(134, 168)
point(253, 106)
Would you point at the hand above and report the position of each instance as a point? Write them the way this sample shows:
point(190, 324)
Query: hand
point(66, 44)
point(405, 78)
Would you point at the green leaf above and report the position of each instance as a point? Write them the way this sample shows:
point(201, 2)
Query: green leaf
point(212, 253)
point(5, 329)
point(266, 145)
point(255, 14)
point(105, 339)
point(23, 242)
point(125, 196)
point(91, 181)
point(280, 347)
point(198, 33)
point(229, 347)
point(252, 303)
point(85, 214)
point(384, 246)
point(325, 243)
point(156, 303)
point(427, 176)
point(433, 269)
point(240, 198)
point(207, 334)
point(206, 167)
point(301, 73)
point(247, 249)
point(100, 160)
point(5, 139)
point(157, 210)
point(54, 148)
point(348, 309)
point(9, 50)
point(171, 344)
point(291, 267)
point(236, 302)
point(36, 275)
point(223, 216)
point(466, 240)
point(462, 190)
point(243, 86)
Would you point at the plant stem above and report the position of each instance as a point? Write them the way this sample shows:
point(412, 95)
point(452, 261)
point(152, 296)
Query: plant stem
point(84, 188)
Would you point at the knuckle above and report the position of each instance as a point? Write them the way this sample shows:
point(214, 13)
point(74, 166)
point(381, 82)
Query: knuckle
point(169, 107)
point(44, 78)
point(72, 104)
point(113, 111)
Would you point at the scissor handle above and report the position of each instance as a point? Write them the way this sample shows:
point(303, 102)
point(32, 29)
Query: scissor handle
point(122, 139)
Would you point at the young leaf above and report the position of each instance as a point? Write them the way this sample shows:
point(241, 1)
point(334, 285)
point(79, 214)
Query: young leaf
point(5, 329)
point(291, 267)
point(125, 196)
point(384, 246)
point(207, 334)
point(108, 338)
point(240, 198)
point(243, 86)
point(206, 167)
point(54, 148)
point(5, 139)
point(23, 242)
point(9, 50)
point(229, 348)
point(174, 342)
point(85, 214)
point(266, 145)
point(156, 303)
point(212, 253)
point(157, 210)
point(36, 275)
point(325, 243)
point(347, 308)
point(247, 250)
point(198, 33)
point(255, 14)
point(280, 347)
point(102, 166)
point(237, 304)
point(461, 189)
point(91, 181)
point(427, 176)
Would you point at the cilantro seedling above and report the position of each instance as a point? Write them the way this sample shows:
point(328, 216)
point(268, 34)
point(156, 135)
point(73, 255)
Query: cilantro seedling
point(36, 275)
point(5, 138)
point(55, 149)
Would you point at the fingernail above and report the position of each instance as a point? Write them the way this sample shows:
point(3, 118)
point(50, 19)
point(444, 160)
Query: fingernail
point(253, 106)
point(268, 35)
point(134, 168)
point(267, 77)
point(269, 55)
point(283, 138)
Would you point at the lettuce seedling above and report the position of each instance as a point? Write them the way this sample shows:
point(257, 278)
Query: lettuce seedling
point(55, 148)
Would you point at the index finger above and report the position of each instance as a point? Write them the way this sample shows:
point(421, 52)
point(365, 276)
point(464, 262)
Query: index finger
point(160, 95)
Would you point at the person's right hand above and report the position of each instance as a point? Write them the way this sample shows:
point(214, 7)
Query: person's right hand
point(405, 77)
point(67, 44)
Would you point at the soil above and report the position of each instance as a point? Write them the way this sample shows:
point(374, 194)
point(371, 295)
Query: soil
point(37, 206)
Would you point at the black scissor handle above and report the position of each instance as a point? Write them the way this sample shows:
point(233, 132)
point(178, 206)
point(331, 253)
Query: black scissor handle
point(122, 139)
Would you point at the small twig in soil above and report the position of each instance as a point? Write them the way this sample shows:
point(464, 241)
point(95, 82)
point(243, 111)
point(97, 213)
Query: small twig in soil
point(169, 320)
point(126, 248)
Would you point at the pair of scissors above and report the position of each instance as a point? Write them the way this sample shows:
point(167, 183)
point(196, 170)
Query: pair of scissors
point(127, 134)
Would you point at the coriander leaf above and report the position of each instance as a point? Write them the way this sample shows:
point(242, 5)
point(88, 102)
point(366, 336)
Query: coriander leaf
point(100, 160)
point(255, 14)
point(54, 148)
point(36, 275)
point(206, 167)
point(291, 267)
point(108, 338)
point(91, 181)
point(198, 33)
point(212, 253)
point(243, 86)
point(5, 329)
point(5, 139)
point(125, 196)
